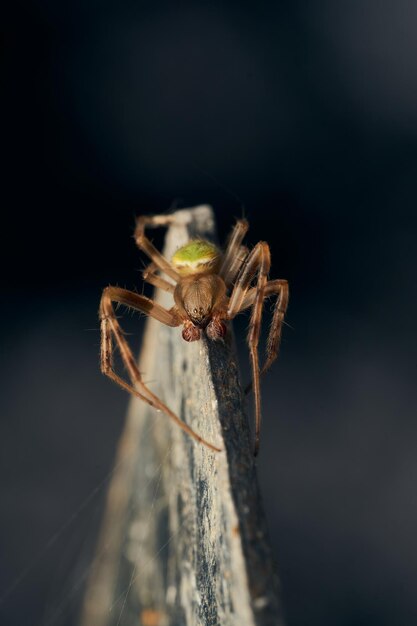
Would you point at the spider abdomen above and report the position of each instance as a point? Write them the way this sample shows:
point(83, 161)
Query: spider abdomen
point(198, 256)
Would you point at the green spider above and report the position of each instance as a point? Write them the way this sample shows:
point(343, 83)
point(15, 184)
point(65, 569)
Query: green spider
point(210, 288)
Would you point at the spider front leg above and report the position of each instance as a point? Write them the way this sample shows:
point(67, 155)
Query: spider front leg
point(110, 328)
point(235, 253)
point(258, 263)
point(150, 276)
point(279, 288)
point(147, 246)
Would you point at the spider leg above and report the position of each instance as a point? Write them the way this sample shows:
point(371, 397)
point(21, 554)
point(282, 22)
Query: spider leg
point(147, 246)
point(235, 266)
point(232, 248)
point(274, 287)
point(150, 276)
point(257, 263)
point(110, 328)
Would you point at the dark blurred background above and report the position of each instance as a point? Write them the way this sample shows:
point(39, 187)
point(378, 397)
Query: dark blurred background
point(301, 116)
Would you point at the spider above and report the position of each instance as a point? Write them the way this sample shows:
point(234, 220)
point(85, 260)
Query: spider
point(210, 288)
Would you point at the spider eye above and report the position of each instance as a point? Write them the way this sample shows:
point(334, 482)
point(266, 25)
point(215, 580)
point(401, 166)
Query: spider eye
point(195, 311)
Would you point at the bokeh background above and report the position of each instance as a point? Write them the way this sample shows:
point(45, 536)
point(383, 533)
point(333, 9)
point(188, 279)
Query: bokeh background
point(301, 116)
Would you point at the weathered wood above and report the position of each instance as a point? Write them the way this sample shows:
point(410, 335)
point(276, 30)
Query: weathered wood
point(184, 540)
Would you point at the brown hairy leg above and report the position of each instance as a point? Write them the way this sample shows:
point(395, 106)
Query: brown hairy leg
point(258, 262)
point(278, 287)
point(235, 266)
point(233, 248)
point(150, 276)
point(147, 246)
point(110, 328)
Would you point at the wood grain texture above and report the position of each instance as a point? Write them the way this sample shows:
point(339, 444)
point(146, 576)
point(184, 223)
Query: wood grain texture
point(184, 540)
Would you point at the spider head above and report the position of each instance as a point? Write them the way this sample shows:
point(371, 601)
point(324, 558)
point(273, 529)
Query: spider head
point(198, 303)
point(198, 297)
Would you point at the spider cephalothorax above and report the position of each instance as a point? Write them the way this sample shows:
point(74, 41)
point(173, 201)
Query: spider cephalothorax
point(209, 289)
